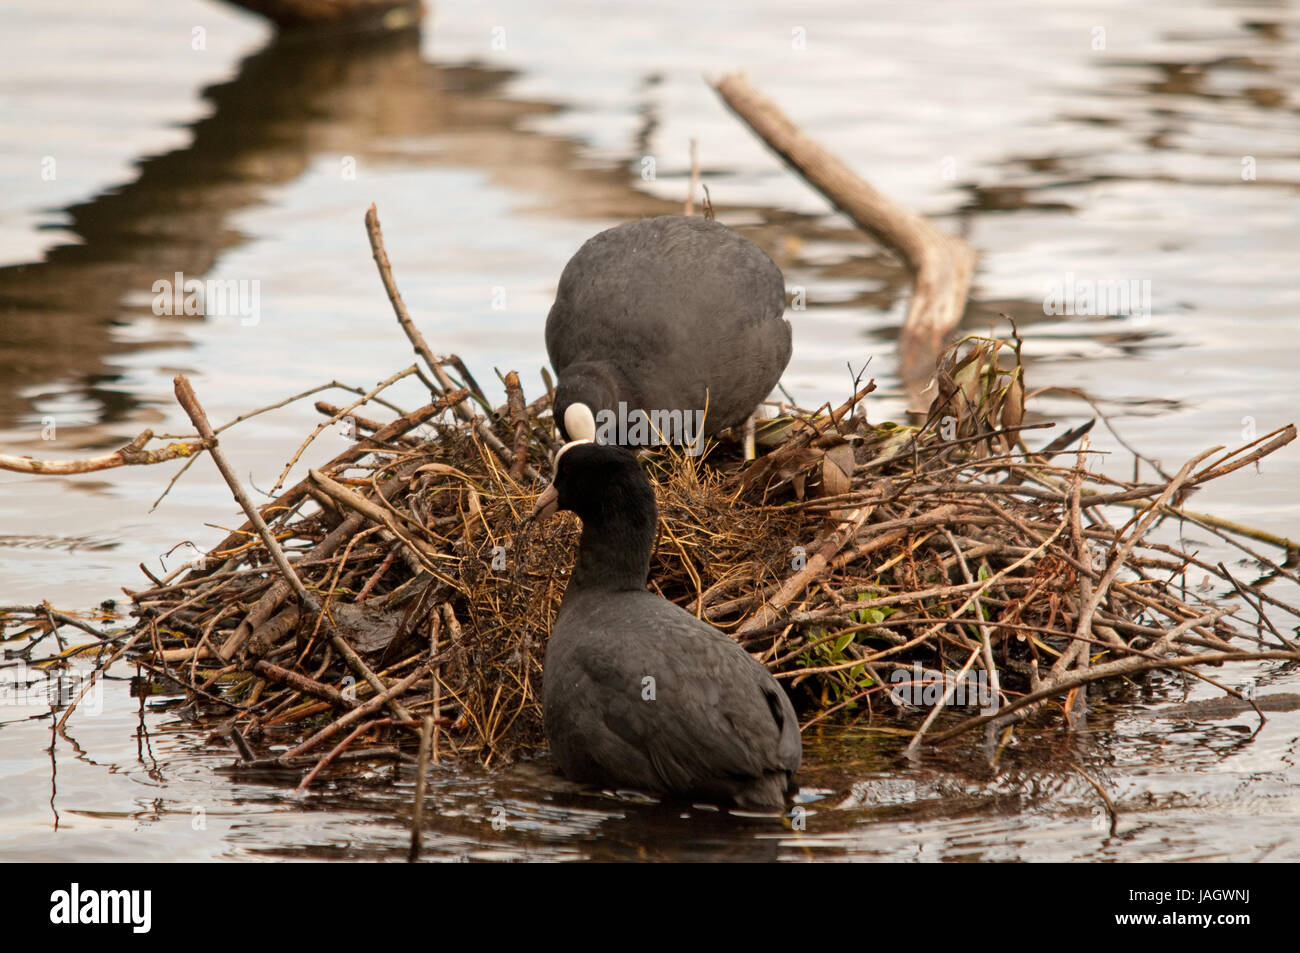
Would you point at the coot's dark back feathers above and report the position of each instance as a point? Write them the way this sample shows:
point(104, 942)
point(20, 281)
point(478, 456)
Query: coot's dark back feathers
point(718, 727)
point(671, 309)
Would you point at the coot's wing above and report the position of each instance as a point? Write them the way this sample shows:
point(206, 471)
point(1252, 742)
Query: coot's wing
point(578, 690)
point(707, 716)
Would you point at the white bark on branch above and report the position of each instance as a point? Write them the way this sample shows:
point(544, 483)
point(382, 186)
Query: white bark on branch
point(133, 454)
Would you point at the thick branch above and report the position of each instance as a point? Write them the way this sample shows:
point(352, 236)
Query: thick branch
point(943, 264)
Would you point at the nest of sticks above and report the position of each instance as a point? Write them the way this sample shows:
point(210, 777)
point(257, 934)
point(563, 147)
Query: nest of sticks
point(847, 557)
point(399, 592)
point(927, 579)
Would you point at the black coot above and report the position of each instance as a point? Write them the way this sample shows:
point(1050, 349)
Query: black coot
point(666, 315)
point(636, 691)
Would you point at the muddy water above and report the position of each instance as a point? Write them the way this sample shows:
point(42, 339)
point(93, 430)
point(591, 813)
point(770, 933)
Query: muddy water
point(1082, 142)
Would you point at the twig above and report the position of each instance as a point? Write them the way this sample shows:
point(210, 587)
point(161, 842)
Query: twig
point(95, 675)
point(301, 683)
point(338, 750)
point(462, 409)
point(377, 514)
point(190, 403)
point(422, 770)
point(1125, 666)
point(1088, 608)
point(910, 750)
point(689, 210)
point(986, 644)
point(343, 412)
point(370, 707)
point(299, 491)
point(413, 334)
point(519, 417)
point(816, 564)
point(132, 455)
point(266, 606)
point(1105, 798)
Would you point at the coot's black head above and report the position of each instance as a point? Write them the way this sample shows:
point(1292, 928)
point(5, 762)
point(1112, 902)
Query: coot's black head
point(612, 496)
point(602, 484)
point(583, 390)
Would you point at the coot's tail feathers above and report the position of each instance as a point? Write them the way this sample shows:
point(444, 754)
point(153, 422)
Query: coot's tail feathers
point(790, 746)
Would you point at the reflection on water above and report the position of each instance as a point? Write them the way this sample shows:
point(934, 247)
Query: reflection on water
point(1172, 156)
point(148, 783)
point(297, 98)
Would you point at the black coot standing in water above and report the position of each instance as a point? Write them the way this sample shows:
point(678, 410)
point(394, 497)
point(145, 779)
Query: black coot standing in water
point(636, 691)
point(666, 314)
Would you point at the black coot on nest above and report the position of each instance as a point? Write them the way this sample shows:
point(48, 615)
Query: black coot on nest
point(666, 314)
point(636, 691)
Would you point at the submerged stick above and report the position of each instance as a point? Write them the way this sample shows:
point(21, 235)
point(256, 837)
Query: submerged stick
point(422, 770)
point(689, 208)
point(1105, 798)
point(338, 750)
point(95, 675)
